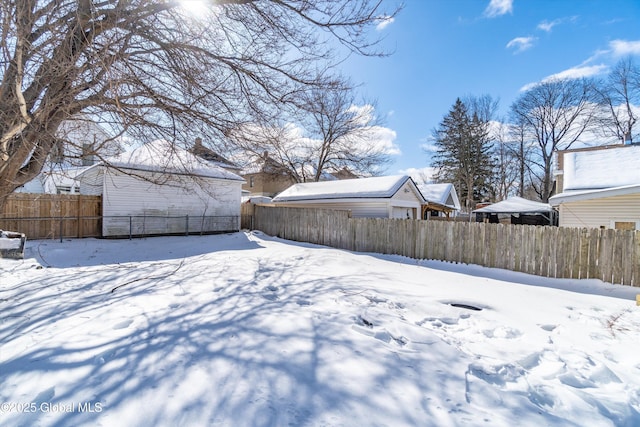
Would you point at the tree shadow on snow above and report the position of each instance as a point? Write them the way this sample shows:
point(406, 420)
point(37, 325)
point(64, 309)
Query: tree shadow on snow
point(92, 252)
point(583, 286)
point(205, 346)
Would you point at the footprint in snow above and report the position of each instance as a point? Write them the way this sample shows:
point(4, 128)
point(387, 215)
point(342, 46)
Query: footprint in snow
point(122, 325)
point(366, 327)
point(269, 293)
point(504, 332)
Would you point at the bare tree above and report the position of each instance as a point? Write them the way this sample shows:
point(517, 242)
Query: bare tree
point(345, 134)
point(619, 96)
point(553, 114)
point(521, 147)
point(327, 132)
point(150, 70)
point(506, 170)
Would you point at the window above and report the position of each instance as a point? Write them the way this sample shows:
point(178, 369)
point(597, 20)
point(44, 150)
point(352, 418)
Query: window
point(251, 181)
point(624, 225)
point(63, 189)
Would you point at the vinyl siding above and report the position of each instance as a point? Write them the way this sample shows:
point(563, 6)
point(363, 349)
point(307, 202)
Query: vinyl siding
point(600, 212)
point(91, 182)
point(406, 193)
point(359, 209)
point(179, 195)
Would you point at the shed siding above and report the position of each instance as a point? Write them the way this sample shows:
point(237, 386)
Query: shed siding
point(126, 195)
point(358, 209)
point(405, 203)
point(407, 193)
point(91, 182)
point(600, 212)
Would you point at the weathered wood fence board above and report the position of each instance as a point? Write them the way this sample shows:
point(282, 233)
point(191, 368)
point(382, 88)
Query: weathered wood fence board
point(42, 216)
point(610, 255)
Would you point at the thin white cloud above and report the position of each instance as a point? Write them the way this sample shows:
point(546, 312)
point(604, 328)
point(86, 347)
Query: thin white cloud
point(572, 73)
point(520, 44)
point(579, 72)
point(498, 8)
point(385, 21)
point(384, 140)
point(548, 26)
point(625, 47)
point(429, 146)
point(420, 175)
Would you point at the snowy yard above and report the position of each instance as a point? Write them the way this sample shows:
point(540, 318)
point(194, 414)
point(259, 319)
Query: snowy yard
point(248, 330)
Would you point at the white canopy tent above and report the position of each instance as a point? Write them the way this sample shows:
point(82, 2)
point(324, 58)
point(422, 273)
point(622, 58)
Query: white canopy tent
point(517, 205)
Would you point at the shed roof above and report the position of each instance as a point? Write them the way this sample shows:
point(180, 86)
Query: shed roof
point(516, 205)
point(162, 156)
point(371, 188)
point(442, 194)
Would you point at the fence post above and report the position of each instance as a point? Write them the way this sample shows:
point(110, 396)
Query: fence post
point(130, 226)
point(60, 218)
point(187, 226)
point(80, 222)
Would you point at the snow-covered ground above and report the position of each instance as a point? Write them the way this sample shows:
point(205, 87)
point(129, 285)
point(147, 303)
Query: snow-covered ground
point(248, 330)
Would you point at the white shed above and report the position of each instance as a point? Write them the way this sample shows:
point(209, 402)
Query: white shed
point(161, 189)
point(441, 198)
point(377, 197)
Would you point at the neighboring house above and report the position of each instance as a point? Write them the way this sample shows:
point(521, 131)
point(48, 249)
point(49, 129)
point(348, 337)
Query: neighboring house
point(344, 173)
point(266, 177)
point(516, 210)
point(81, 143)
point(54, 181)
point(441, 200)
point(214, 158)
point(599, 187)
point(377, 197)
point(161, 189)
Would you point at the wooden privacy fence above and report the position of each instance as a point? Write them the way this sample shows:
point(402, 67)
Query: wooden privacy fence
point(610, 255)
point(41, 216)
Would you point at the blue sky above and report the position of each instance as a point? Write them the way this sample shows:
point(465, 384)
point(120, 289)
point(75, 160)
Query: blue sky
point(444, 49)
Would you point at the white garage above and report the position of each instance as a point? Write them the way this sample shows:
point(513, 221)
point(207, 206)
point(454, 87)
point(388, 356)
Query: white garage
point(159, 188)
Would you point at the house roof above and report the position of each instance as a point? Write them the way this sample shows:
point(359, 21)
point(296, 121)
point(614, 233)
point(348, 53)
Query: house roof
point(211, 156)
point(575, 196)
point(441, 194)
point(162, 156)
point(516, 205)
point(380, 187)
point(615, 166)
point(264, 164)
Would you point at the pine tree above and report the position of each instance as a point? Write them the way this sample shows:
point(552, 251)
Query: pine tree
point(463, 155)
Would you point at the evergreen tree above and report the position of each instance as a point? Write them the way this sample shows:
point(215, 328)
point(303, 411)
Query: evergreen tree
point(463, 155)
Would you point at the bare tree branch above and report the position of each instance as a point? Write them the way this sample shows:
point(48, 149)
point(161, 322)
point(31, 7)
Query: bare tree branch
point(153, 71)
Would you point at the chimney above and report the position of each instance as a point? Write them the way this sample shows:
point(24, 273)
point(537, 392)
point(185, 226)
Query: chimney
point(198, 143)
